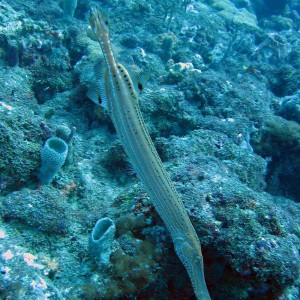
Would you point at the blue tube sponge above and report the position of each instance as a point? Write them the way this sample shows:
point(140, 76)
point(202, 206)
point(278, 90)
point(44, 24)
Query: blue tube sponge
point(101, 240)
point(53, 156)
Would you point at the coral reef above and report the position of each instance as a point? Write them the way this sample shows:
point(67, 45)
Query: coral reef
point(44, 209)
point(20, 139)
point(222, 106)
point(279, 140)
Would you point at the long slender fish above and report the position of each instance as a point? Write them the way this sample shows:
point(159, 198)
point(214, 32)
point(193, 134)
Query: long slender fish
point(123, 107)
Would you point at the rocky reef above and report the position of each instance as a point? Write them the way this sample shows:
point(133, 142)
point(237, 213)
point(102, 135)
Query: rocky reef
point(222, 106)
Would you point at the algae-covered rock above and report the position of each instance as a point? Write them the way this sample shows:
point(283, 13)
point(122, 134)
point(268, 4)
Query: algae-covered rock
point(20, 140)
point(11, 20)
point(219, 186)
point(290, 108)
point(169, 112)
point(44, 209)
point(230, 13)
point(279, 141)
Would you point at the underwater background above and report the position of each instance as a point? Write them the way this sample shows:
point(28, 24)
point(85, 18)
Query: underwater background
point(222, 105)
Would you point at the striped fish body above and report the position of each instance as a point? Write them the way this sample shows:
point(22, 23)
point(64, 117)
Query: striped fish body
point(123, 107)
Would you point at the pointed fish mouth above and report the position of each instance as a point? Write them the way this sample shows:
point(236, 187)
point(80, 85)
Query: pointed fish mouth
point(93, 9)
point(98, 19)
point(92, 15)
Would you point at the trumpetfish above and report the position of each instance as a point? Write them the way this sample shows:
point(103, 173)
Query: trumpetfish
point(123, 108)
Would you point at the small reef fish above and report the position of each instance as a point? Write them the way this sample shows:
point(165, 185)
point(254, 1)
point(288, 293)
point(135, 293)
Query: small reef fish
point(122, 102)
